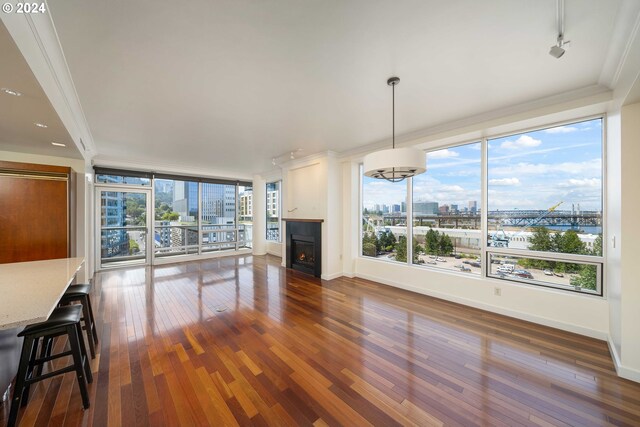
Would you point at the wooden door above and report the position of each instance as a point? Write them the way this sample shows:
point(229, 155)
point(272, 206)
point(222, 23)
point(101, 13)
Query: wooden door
point(34, 213)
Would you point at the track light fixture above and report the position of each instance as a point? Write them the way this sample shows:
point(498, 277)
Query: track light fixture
point(558, 50)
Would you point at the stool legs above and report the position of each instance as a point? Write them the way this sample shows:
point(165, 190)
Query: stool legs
point(27, 348)
point(87, 317)
point(79, 361)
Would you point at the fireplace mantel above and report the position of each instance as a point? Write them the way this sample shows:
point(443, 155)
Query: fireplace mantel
point(302, 220)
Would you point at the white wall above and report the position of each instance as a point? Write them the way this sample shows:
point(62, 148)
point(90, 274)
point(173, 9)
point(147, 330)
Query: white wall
point(613, 230)
point(628, 241)
point(82, 237)
point(259, 243)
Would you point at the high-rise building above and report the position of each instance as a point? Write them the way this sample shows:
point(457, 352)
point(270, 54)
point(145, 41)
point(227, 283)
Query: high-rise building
point(218, 203)
point(246, 205)
point(425, 208)
point(185, 200)
point(454, 209)
point(403, 206)
point(395, 208)
point(473, 206)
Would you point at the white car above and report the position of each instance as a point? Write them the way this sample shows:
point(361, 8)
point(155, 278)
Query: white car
point(441, 259)
point(548, 272)
point(505, 269)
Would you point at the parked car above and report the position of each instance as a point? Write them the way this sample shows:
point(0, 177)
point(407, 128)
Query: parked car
point(524, 274)
point(457, 256)
point(505, 269)
point(474, 264)
point(465, 268)
point(432, 262)
point(558, 274)
point(441, 259)
point(547, 272)
point(466, 262)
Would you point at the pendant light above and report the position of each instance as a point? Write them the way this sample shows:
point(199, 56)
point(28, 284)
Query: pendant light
point(395, 164)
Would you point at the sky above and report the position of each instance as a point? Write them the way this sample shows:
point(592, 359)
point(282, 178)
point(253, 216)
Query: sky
point(533, 170)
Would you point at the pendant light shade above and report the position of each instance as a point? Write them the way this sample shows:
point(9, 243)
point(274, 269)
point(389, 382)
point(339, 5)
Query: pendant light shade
point(395, 164)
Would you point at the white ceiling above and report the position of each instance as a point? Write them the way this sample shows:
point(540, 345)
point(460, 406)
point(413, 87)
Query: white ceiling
point(231, 84)
point(19, 113)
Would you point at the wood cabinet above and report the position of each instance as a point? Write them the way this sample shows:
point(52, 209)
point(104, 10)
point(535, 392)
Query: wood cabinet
point(35, 220)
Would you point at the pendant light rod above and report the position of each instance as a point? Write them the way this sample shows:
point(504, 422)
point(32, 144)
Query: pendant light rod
point(395, 164)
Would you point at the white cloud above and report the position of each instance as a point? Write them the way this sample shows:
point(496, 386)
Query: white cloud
point(524, 141)
point(587, 168)
point(581, 183)
point(451, 188)
point(504, 181)
point(442, 154)
point(561, 129)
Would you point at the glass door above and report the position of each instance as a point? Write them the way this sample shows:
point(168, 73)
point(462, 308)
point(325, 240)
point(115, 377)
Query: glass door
point(123, 218)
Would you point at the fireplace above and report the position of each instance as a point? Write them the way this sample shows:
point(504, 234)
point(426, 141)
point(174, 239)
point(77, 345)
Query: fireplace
point(304, 245)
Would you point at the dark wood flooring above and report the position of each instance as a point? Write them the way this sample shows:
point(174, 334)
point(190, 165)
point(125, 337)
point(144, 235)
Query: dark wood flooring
point(242, 341)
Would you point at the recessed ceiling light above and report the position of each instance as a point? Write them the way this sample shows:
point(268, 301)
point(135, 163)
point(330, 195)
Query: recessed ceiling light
point(58, 144)
point(11, 91)
point(41, 125)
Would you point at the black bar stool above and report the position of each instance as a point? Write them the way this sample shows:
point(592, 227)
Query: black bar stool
point(80, 293)
point(63, 321)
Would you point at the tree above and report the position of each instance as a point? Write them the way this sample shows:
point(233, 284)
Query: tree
point(134, 248)
point(445, 246)
point(541, 240)
point(170, 216)
point(370, 245)
point(387, 240)
point(587, 278)
point(570, 243)
point(597, 246)
point(431, 241)
point(401, 249)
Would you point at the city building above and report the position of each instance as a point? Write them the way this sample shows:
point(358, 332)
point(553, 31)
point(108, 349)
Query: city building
point(208, 163)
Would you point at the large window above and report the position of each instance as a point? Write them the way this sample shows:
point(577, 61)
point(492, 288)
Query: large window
point(446, 213)
point(384, 219)
point(245, 216)
point(273, 211)
point(545, 195)
point(542, 216)
point(176, 217)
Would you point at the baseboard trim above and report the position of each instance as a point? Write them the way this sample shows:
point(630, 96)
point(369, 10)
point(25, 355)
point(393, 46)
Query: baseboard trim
point(623, 372)
point(601, 335)
point(330, 276)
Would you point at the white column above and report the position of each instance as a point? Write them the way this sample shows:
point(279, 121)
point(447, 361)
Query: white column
point(259, 215)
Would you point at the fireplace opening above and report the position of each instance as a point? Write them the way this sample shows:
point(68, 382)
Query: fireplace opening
point(303, 253)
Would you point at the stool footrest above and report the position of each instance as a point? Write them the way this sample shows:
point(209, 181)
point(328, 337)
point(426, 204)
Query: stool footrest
point(55, 356)
point(41, 377)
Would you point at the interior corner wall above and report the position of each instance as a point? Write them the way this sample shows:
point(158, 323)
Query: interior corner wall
point(350, 204)
point(333, 220)
point(613, 280)
point(628, 241)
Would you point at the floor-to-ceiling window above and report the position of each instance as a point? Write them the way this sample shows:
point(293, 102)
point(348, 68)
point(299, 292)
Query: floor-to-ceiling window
point(190, 215)
point(384, 219)
point(446, 213)
point(541, 209)
point(175, 217)
point(273, 211)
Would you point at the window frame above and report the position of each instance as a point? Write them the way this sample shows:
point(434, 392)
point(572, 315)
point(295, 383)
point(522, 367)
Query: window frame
point(278, 184)
point(485, 250)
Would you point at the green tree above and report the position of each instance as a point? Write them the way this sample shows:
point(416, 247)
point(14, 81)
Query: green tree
point(445, 246)
point(587, 279)
point(170, 216)
point(432, 241)
point(401, 249)
point(570, 243)
point(387, 240)
point(597, 246)
point(134, 248)
point(541, 240)
point(370, 245)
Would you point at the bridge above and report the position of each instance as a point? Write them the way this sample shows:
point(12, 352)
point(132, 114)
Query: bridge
point(511, 218)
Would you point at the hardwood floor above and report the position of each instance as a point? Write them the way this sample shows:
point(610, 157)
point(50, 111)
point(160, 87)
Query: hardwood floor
point(242, 341)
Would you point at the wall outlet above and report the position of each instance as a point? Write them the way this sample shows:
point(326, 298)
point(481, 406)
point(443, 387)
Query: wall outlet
point(497, 291)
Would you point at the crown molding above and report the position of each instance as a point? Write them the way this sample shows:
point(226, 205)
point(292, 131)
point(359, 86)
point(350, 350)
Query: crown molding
point(625, 32)
point(37, 39)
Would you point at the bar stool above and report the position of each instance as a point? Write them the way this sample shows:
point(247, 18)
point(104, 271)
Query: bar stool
point(63, 321)
point(80, 293)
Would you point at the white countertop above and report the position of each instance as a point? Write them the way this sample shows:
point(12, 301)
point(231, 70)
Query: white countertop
point(29, 291)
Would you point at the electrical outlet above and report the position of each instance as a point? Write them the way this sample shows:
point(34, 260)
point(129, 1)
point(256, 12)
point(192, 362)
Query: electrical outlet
point(497, 291)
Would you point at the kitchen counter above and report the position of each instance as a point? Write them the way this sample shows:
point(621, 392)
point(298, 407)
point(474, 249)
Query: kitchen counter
point(29, 291)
